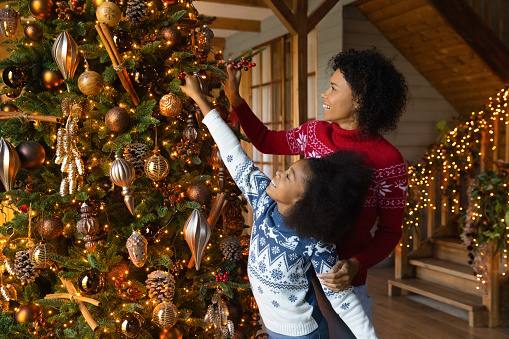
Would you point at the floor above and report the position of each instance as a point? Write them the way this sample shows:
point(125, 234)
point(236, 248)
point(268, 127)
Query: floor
point(404, 318)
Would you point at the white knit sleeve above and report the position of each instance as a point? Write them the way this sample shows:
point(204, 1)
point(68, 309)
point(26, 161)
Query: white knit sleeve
point(251, 181)
point(346, 303)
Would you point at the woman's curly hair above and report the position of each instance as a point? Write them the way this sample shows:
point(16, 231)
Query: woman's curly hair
point(333, 197)
point(379, 89)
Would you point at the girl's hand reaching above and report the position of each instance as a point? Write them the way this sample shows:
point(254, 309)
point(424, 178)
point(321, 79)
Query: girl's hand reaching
point(232, 84)
point(193, 90)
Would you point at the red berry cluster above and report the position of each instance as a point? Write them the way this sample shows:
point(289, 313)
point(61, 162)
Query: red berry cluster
point(244, 63)
point(185, 150)
point(42, 328)
point(126, 290)
point(77, 5)
point(182, 78)
point(222, 277)
point(172, 195)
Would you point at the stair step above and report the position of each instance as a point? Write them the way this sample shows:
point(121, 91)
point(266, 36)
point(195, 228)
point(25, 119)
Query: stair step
point(448, 267)
point(471, 303)
point(450, 249)
point(454, 242)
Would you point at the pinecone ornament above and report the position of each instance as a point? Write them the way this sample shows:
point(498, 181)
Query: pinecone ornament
point(23, 267)
point(161, 286)
point(231, 248)
point(136, 154)
point(136, 11)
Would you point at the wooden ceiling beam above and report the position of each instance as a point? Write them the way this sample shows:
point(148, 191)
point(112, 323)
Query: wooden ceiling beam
point(284, 14)
point(320, 12)
point(236, 24)
point(251, 3)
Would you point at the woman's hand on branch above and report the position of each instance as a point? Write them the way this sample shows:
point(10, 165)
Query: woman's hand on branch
point(232, 84)
point(193, 90)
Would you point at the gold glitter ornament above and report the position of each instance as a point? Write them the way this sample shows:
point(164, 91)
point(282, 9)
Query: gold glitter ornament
point(137, 247)
point(122, 173)
point(197, 233)
point(165, 315)
point(170, 105)
point(157, 167)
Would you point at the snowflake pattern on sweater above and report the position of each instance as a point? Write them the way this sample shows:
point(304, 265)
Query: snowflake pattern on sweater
point(279, 260)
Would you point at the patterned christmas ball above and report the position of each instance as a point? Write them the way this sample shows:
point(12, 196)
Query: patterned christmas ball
point(50, 227)
point(41, 9)
point(91, 282)
point(130, 325)
point(165, 315)
point(31, 154)
point(199, 192)
point(52, 80)
point(27, 313)
point(157, 167)
point(90, 83)
point(117, 119)
point(33, 32)
point(170, 105)
point(14, 77)
point(108, 13)
point(172, 36)
point(39, 257)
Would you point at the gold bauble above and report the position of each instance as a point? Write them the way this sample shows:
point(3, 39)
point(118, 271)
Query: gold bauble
point(39, 257)
point(27, 313)
point(90, 83)
point(117, 119)
point(108, 13)
point(41, 9)
point(157, 167)
point(170, 105)
point(165, 315)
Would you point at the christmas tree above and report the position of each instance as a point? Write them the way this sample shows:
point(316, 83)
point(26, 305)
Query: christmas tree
point(125, 221)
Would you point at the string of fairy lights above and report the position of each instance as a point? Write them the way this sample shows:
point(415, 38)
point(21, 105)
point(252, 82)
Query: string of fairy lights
point(478, 143)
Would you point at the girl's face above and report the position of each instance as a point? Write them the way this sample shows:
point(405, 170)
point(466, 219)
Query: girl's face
point(338, 103)
point(287, 187)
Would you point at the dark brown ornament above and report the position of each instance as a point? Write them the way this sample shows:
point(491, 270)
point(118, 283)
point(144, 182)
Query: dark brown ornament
point(91, 282)
point(31, 154)
point(14, 77)
point(52, 80)
point(172, 35)
point(50, 227)
point(199, 192)
point(239, 335)
point(8, 107)
point(191, 133)
point(173, 333)
point(123, 40)
point(117, 119)
point(119, 272)
point(89, 226)
point(41, 9)
point(151, 232)
point(223, 112)
point(130, 325)
point(33, 32)
point(27, 313)
point(144, 75)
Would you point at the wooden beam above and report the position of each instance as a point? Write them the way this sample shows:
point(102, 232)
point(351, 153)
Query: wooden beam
point(475, 33)
point(236, 24)
point(320, 12)
point(300, 62)
point(285, 15)
point(251, 3)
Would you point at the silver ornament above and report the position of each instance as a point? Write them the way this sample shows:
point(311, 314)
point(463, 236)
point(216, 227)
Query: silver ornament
point(137, 248)
point(8, 292)
point(165, 315)
point(65, 54)
point(197, 233)
point(9, 164)
point(122, 173)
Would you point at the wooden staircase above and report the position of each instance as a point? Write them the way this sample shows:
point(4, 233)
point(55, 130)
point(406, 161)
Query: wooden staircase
point(444, 276)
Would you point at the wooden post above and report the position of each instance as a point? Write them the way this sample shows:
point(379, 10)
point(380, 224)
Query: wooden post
point(506, 157)
point(496, 141)
point(431, 206)
point(482, 167)
point(444, 204)
point(491, 298)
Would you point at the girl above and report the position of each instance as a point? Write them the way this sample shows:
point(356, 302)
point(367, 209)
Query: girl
point(296, 216)
point(365, 99)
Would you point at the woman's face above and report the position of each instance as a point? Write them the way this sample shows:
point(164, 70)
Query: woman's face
point(338, 103)
point(287, 187)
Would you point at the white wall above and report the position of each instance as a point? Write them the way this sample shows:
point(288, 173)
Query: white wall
point(346, 27)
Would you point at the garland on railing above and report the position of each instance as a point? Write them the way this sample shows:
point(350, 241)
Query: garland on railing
point(454, 162)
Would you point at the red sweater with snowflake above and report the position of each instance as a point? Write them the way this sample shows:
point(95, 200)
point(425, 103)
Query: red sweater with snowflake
point(386, 197)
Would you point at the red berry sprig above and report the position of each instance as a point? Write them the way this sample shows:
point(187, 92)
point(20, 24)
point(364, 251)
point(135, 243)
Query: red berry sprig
point(127, 290)
point(182, 78)
point(222, 277)
point(244, 63)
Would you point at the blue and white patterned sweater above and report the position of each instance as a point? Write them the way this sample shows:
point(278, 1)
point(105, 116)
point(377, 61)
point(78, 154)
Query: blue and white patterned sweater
point(279, 265)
